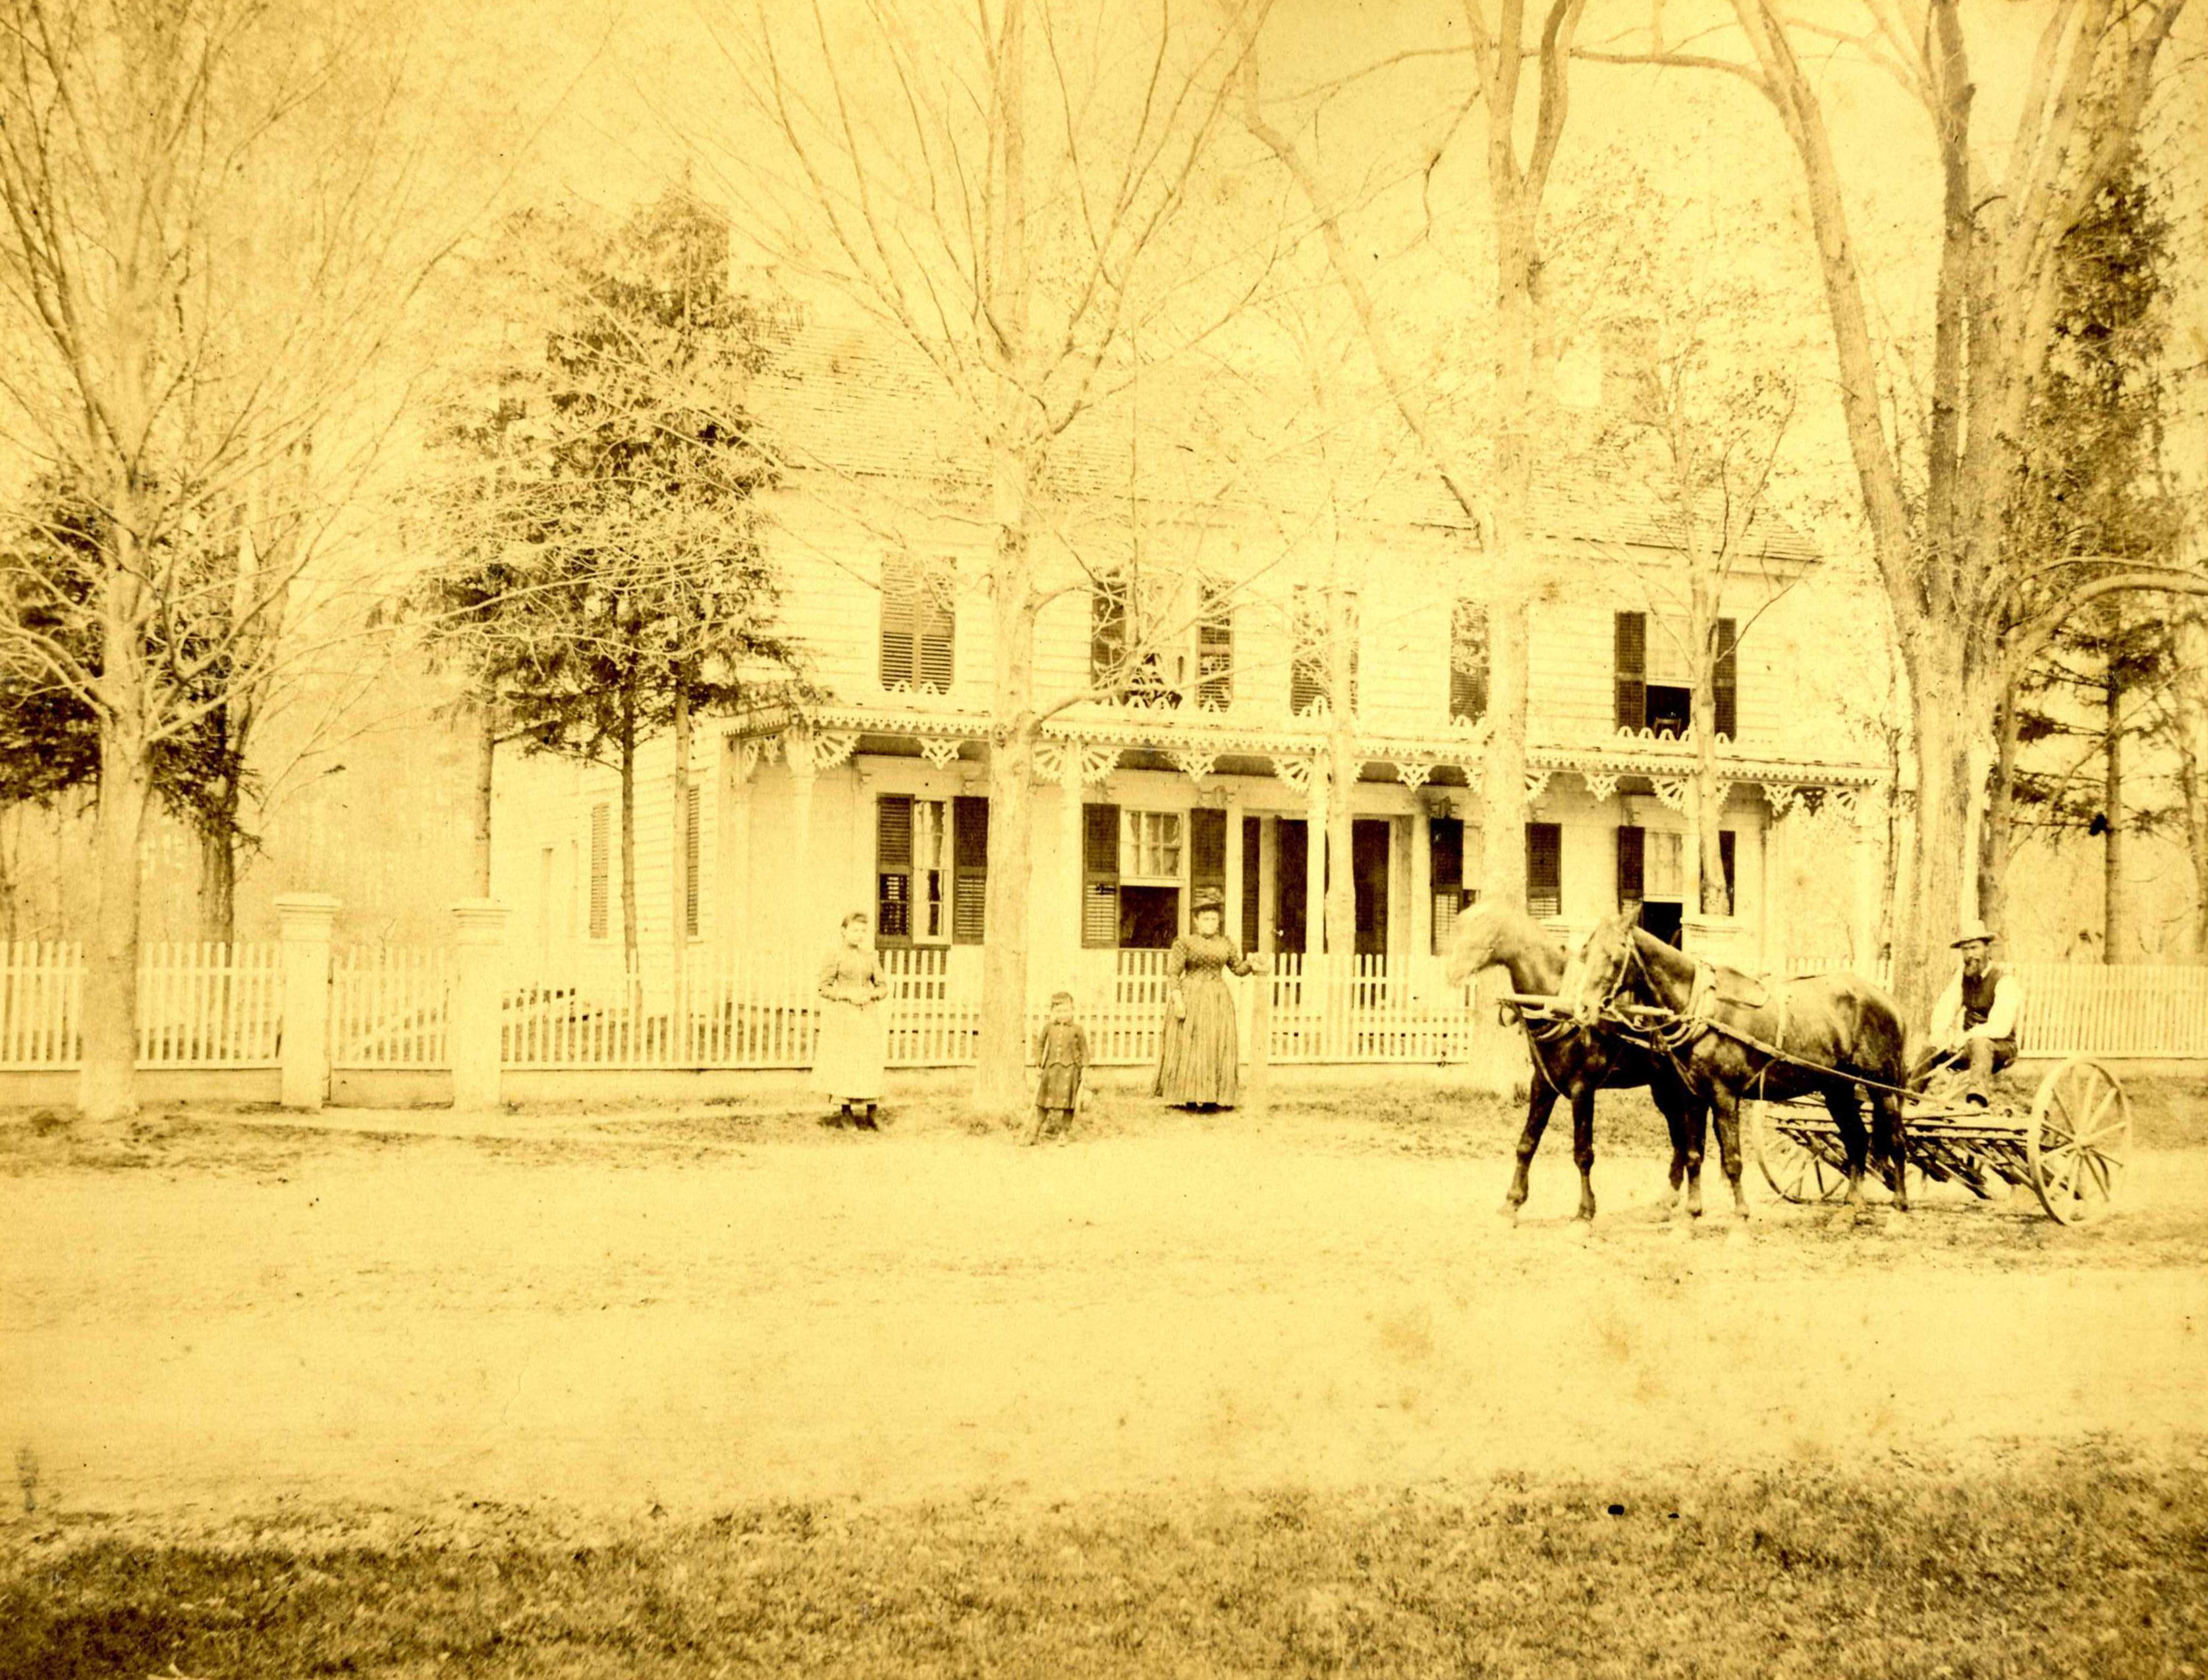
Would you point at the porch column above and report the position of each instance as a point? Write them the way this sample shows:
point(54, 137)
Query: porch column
point(1422, 884)
point(1870, 830)
point(1315, 862)
point(1268, 882)
point(733, 853)
point(1070, 841)
point(860, 895)
point(805, 886)
point(1234, 866)
point(1778, 889)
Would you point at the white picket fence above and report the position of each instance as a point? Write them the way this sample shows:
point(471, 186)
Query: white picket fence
point(220, 1006)
point(199, 1004)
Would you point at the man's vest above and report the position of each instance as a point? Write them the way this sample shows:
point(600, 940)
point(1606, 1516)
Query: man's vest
point(1979, 995)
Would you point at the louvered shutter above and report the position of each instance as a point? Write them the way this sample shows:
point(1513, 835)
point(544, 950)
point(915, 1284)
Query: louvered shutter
point(1630, 644)
point(1207, 854)
point(1468, 661)
point(899, 587)
point(969, 886)
point(1253, 840)
point(1545, 870)
point(1215, 651)
point(601, 868)
point(690, 849)
point(1445, 849)
point(1307, 664)
point(1724, 680)
point(1100, 876)
point(893, 867)
point(935, 612)
point(1632, 864)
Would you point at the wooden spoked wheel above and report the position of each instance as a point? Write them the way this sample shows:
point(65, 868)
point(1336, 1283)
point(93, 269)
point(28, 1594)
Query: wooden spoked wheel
point(1798, 1171)
point(2078, 1141)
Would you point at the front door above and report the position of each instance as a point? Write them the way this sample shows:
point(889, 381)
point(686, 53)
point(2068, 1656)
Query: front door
point(1291, 884)
point(1368, 850)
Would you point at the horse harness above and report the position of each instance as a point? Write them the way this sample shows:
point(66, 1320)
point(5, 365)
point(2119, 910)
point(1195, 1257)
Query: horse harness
point(1709, 992)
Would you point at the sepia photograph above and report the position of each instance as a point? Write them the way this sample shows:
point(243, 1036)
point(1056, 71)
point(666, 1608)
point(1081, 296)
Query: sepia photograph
point(809, 807)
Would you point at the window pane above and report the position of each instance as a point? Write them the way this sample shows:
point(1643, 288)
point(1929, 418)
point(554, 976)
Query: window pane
point(1665, 864)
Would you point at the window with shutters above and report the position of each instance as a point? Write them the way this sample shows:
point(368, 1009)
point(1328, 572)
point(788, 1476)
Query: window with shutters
point(690, 849)
point(1100, 876)
point(1467, 691)
point(1655, 664)
point(1309, 671)
point(1544, 869)
point(919, 621)
point(1150, 847)
point(969, 890)
point(601, 869)
point(893, 868)
point(1724, 860)
point(1445, 850)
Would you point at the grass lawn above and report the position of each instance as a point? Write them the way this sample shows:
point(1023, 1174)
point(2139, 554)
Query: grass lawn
point(2079, 1562)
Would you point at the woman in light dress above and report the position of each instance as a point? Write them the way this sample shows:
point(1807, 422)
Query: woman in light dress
point(1199, 1059)
point(847, 1067)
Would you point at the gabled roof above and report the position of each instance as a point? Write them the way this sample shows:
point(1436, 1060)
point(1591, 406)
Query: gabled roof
point(859, 401)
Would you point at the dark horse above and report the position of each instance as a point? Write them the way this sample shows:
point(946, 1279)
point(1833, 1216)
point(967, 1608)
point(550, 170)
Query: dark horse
point(1567, 1060)
point(1829, 1032)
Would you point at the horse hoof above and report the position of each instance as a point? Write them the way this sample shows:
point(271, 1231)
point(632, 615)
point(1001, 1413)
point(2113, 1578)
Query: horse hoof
point(1507, 1216)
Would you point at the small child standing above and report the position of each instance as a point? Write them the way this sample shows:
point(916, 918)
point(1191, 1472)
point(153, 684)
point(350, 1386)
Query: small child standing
point(1061, 1051)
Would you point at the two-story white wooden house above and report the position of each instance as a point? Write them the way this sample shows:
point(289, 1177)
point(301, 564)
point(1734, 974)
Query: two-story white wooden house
point(1205, 766)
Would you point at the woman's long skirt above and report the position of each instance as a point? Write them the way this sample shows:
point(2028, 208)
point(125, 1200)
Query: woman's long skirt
point(847, 1067)
point(1201, 1058)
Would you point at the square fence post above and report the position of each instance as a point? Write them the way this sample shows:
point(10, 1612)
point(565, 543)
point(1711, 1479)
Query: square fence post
point(472, 1010)
point(304, 920)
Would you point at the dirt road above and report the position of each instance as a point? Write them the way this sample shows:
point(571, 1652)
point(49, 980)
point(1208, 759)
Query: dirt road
point(922, 1313)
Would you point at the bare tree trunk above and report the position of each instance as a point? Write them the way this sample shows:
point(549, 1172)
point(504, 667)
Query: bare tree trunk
point(107, 1086)
point(486, 762)
point(678, 942)
point(1948, 694)
point(999, 1074)
point(1340, 913)
point(1998, 837)
point(627, 747)
point(2192, 740)
point(2113, 930)
point(218, 839)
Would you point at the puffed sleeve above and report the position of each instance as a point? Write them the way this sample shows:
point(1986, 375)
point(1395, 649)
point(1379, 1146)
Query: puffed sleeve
point(828, 972)
point(1176, 959)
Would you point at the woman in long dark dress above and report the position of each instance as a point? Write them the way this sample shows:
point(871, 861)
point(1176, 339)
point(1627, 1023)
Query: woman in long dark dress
point(1199, 1061)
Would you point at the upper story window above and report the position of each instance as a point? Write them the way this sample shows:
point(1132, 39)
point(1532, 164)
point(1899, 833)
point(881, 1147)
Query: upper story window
point(1653, 677)
point(919, 622)
point(1310, 669)
point(1467, 689)
point(1152, 638)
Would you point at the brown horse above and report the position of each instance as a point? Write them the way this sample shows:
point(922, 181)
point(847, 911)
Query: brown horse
point(1569, 1061)
point(1762, 1039)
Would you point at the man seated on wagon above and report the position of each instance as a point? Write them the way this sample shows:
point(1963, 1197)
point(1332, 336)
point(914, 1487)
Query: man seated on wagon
point(1974, 1023)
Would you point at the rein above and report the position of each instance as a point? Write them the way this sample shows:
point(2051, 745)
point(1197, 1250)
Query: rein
point(1676, 1029)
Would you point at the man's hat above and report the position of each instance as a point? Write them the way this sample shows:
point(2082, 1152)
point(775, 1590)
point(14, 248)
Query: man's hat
point(1975, 932)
